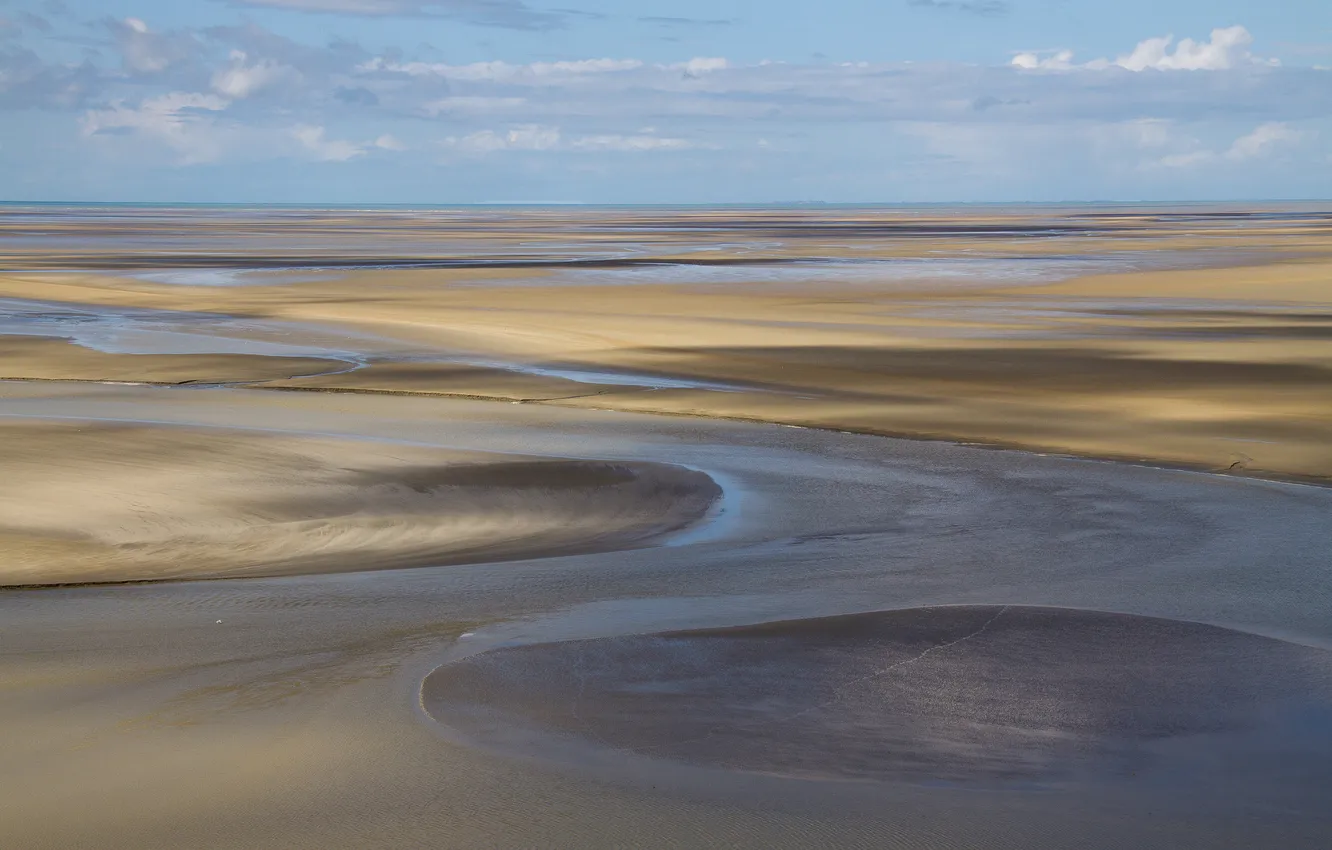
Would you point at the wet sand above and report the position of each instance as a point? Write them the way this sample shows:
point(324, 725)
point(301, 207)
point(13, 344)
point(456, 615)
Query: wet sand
point(987, 697)
point(469, 623)
point(46, 359)
point(296, 721)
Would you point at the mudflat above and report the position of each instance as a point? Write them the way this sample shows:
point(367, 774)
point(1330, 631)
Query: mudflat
point(328, 529)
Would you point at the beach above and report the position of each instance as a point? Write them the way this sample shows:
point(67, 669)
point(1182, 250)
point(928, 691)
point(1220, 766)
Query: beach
point(666, 528)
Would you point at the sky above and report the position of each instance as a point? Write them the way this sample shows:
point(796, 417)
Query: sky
point(664, 101)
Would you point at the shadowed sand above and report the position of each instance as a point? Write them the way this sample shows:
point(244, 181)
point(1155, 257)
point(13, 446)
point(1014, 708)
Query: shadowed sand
point(91, 502)
point(43, 358)
point(972, 695)
point(1195, 337)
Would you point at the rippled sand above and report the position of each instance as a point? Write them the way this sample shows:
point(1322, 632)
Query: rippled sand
point(1001, 697)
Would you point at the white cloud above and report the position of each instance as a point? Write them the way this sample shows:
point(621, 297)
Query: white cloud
point(507, 72)
point(277, 98)
point(974, 7)
point(1265, 140)
point(609, 91)
point(530, 137)
point(314, 139)
point(192, 124)
point(181, 120)
point(1140, 152)
point(26, 82)
point(242, 78)
point(320, 85)
point(500, 71)
point(584, 66)
point(629, 143)
point(470, 105)
point(145, 51)
point(1148, 132)
point(1057, 60)
point(513, 14)
point(345, 7)
point(537, 137)
point(1228, 48)
point(702, 65)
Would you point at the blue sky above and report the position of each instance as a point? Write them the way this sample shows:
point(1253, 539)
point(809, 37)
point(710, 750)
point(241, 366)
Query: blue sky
point(467, 101)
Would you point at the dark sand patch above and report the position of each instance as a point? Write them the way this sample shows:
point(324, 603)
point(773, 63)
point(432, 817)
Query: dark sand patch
point(976, 695)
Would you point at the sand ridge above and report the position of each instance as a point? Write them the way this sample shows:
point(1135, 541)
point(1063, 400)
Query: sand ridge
point(86, 502)
point(46, 359)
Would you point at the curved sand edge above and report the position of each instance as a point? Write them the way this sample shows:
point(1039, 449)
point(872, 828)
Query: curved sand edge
point(96, 503)
point(1001, 695)
point(736, 407)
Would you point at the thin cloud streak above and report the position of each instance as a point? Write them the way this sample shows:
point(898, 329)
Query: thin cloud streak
point(972, 7)
point(508, 14)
